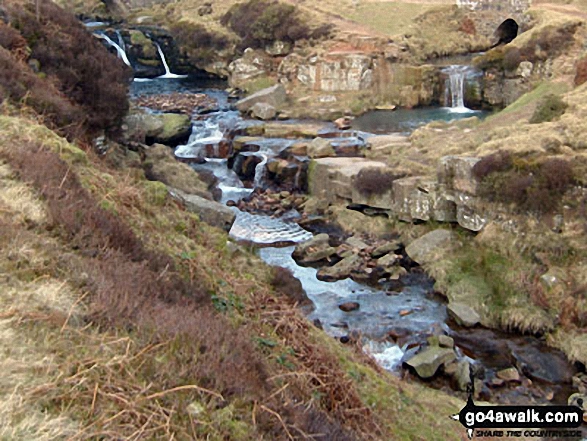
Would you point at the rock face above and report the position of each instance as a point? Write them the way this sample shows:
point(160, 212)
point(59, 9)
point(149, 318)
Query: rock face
point(336, 73)
point(213, 213)
point(427, 362)
point(274, 96)
point(431, 246)
point(451, 196)
point(253, 65)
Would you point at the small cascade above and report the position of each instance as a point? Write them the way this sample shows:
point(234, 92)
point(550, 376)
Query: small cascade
point(204, 133)
point(168, 73)
point(260, 171)
point(119, 49)
point(454, 89)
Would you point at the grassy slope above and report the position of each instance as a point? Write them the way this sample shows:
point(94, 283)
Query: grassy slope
point(67, 372)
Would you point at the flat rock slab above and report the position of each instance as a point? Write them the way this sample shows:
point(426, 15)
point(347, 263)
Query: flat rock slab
point(427, 362)
point(463, 314)
point(210, 212)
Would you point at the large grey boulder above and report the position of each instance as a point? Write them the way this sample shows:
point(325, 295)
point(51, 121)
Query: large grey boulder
point(431, 246)
point(427, 362)
point(263, 111)
point(211, 212)
point(274, 96)
point(463, 314)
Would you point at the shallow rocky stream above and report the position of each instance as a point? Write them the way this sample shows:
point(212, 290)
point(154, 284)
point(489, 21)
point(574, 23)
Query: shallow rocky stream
point(394, 324)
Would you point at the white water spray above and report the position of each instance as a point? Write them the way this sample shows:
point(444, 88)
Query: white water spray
point(260, 171)
point(168, 73)
point(119, 50)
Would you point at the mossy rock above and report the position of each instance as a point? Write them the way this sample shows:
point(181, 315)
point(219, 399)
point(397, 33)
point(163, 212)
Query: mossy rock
point(175, 127)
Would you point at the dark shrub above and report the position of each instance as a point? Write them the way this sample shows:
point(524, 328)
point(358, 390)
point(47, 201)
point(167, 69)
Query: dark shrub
point(20, 85)
point(199, 44)
point(512, 58)
point(549, 108)
point(535, 187)
point(497, 162)
point(374, 180)
point(261, 22)
point(468, 26)
point(78, 65)
point(11, 39)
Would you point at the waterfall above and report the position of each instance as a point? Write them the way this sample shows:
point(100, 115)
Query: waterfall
point(168, 73)
point(120, 40)
point(454, 89)
point(119, 50)
point(260, 171)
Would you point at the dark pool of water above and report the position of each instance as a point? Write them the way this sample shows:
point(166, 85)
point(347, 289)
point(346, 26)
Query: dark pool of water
point(192, 84)
point(406, 120)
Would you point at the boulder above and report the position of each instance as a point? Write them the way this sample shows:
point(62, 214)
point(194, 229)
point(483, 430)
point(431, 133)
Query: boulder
point(431, 246)
point(343, 123)
point(274, 96)
point(341, 270)
point(332, 178)
point(355, 242)
point(165, 128)
point(509, 374)
point(314, 250)
point(213, 213)
point(176, 128)
point(386, 248)
point(320, 148)
point(549, 366)
point(388, 262)
point(427, 362)
point(160, 165)
point(463, 314)
point(263, 111)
